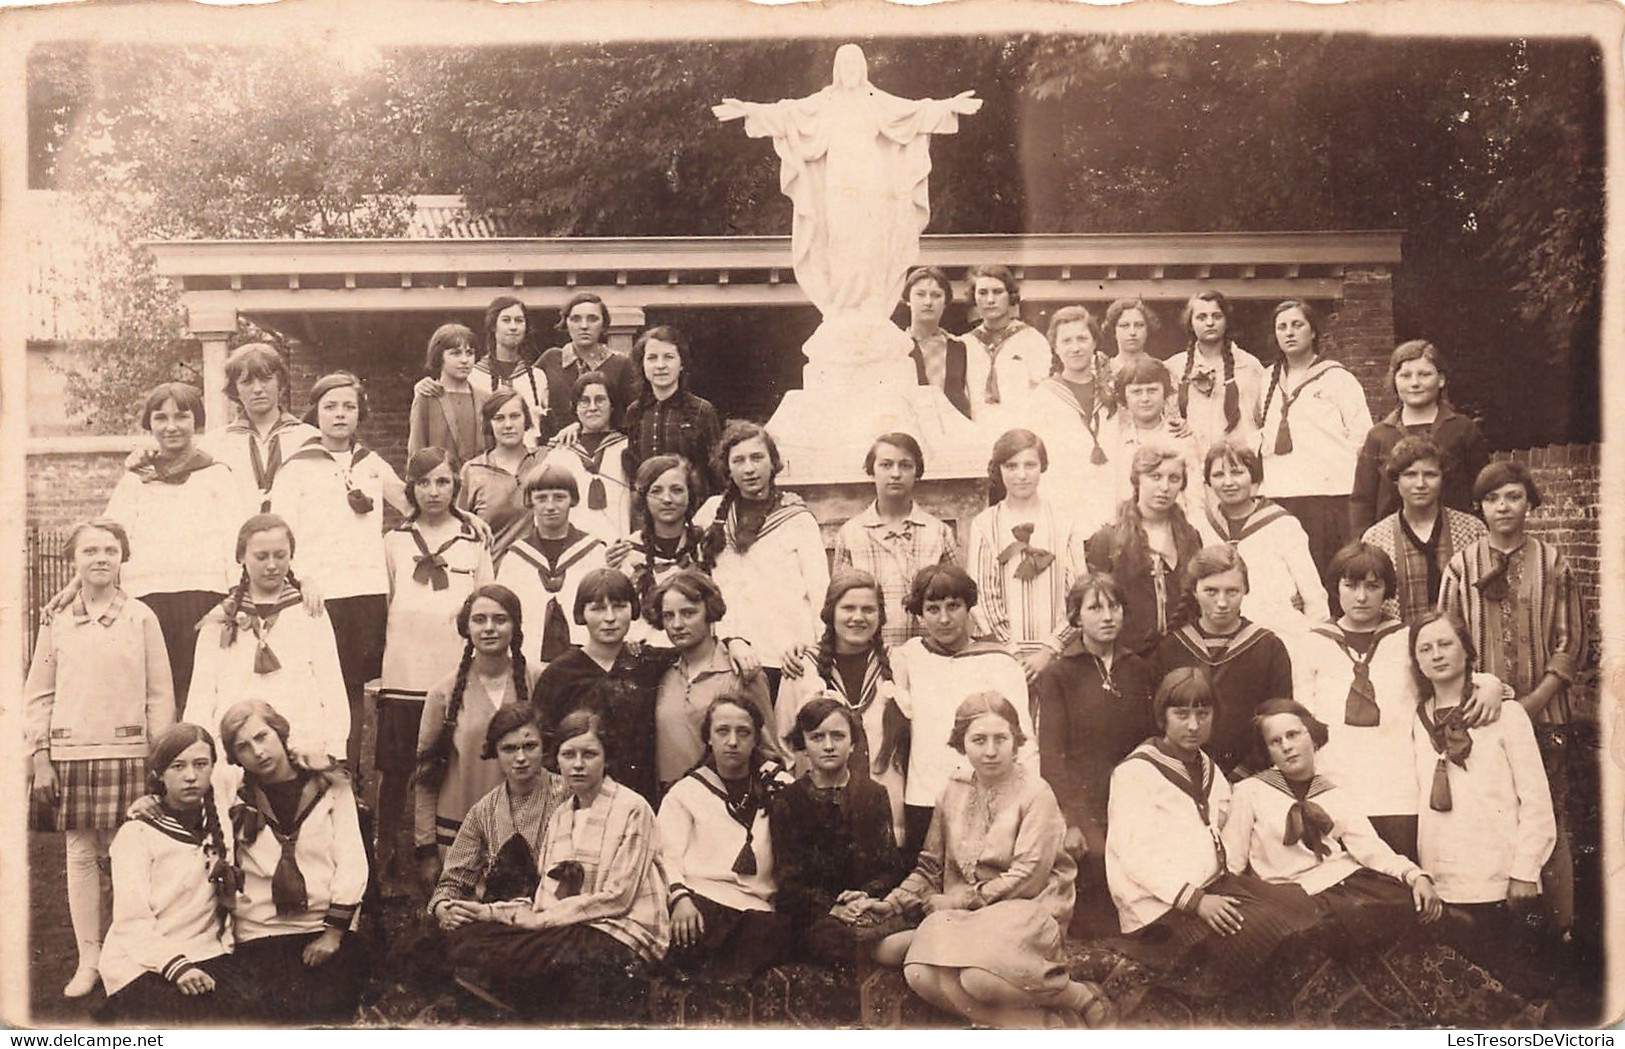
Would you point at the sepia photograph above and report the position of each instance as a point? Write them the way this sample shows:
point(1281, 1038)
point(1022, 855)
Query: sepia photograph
point(974, 515)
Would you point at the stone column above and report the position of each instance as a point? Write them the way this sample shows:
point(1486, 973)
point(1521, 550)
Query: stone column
point(626, 322)
point(214, 328)
point(1363, 335)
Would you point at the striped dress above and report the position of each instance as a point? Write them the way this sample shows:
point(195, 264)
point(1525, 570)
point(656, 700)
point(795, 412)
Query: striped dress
point(1023, 614)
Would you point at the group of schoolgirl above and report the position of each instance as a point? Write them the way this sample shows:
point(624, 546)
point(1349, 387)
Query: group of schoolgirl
point(1071, 627)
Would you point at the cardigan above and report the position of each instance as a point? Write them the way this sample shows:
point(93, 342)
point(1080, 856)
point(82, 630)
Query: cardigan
point(487, 827)
point(1275, 549)
point(776, 588)
point(98, 688)
point(1005, 844)
point(1411, 597)
point(520, 569)
point(699, 843)
point(341, 550)
point(1374, 495)
point(1328, 419)
point(182, 536)
point(1205, 411)
point(1029, 614)
point(1538, 629)
point(1501, 824)
point(165, 915)
point(255, 460)
point(1256, 830)
point(931, 687)
point(438, 813)
point(830, 841)
point(623, 892)
point(893, 557)
point(330, 855)
point(421, 645)
point(451, 421)
point(1246, 668)
point(1162, 844)
point(1372, 763)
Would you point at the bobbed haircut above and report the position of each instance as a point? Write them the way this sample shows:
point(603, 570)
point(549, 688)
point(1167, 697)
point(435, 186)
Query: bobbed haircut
point(337, 381)
point(1233, 455)
point(498, 401)
point(1142, 372)
point(939, 582)
point(1358, 561)
point(1002, 274)
point(731, 699)
point(1181, 688)
point(1211, 561)
point(491, 592)
point(1318, 732)
point(1188, 313)
point(1093, 582)
point(1412, 350)
point(1074, 315)
point(187, 398)
point(978, 704)
point(262, 523)
point(897, 439)
point(1423, 685)
point(930, 273)
point(668, 334)
point(510, 717)
point(578, 389)
point(100, 524)
point(607, 585)
point(1412, 450)
point(577, 299)
point(737, 432)
point(583, 722)
point(446, 337)
point(1115, 311)
point(1010, 444)
point(546, 476)
point(237, 715)
point(694, 586)
point(425, 462)
point(255, 360)
point(815, 713)
point(1504, 472)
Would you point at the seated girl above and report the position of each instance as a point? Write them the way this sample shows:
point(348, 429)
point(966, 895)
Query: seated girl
point(995, 887)
point(576, 950)
point(166, 960)
point(304, 869)
point(1290, 825)
point(833, 838)
point(717, 850)
point(1188, 918)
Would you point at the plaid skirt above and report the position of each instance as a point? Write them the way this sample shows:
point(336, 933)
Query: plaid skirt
point(95, 794)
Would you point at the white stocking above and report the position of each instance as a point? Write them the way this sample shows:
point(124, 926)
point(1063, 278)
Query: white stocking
point(86, 854)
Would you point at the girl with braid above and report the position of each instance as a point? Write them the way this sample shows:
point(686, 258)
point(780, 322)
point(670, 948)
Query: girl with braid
point(261, 644)
point(1218, 384)
point(1072, 412)
point(434, 560)
point(167, 958)
point(450, 775)
point(665, 495)
point(1311, 448)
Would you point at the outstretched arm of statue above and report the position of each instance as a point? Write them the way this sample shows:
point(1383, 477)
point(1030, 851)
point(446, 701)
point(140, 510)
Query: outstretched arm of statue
point(733, 109)
point(965, 103)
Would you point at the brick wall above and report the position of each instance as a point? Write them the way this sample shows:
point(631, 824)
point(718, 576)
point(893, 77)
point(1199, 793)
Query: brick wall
point(64, 488)
point(1361, 334)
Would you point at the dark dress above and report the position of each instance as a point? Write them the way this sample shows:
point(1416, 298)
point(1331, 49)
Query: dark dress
point(1375, 497)
point(618, 368)
point(1104, 553)
point(1247, 668)
point(825, 842)
point(624, 695)
point(683, 424)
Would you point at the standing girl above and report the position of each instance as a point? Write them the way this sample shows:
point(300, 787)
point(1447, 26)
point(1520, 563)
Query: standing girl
point(1147, 548)
point(585, 320)
point(668, 418)
point(260, 440)
point(179, 505)
point(763, 547)
point(490, 480)
point(1072, 412)
point(260, 643)
point(331, 493)
point(1311, 449)
point(596, 458)
point(1423, 534)
point(1418, 372)
point(1218, 383)
point(98, 691)
point(451, 420)
point(1130, 323)
point(1023, 553)
point(665, 541)
point(939, 358)
point(451, 774)
point(434, 560)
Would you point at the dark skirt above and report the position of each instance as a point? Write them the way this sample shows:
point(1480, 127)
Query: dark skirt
point(1325, 519)
point(576, 973)
point(396, 748)
point(95, 794)
point(358, 629)
point(1399, 832)
point(287, 992)
point(178, 614)
point(152, 1001)
point(1365, 910)
point(734, 946)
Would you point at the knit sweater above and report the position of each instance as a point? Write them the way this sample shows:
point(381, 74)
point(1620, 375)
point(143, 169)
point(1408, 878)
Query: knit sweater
point(181, 535)
point(98, 688)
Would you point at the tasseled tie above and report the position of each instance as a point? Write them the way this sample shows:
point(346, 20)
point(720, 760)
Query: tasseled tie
point(597, 498)
point(1360, 709)
point(1452, 742)
point(1308, 823)
point(1283, 436)
point(1493, 584)
point(431, 569)
point(1034, 559)
point(555, 632)
point(288, 883)
point(265, 661)
point(745, 862)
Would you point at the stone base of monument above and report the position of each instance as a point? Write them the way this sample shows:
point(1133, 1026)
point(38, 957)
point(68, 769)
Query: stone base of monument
point(824, 433)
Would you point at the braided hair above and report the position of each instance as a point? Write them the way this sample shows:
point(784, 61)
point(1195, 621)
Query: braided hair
point(237, 599)
point(650, 471)
point(1278, 369)
point(1232, 396)
point(434, 758)
point(180, 736)
point(895, 726)
point(737, 432)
